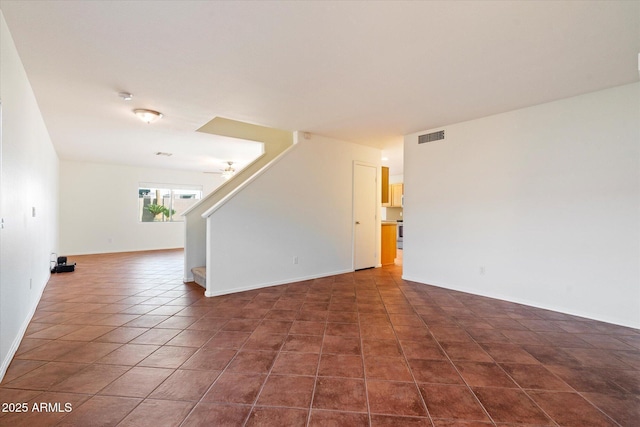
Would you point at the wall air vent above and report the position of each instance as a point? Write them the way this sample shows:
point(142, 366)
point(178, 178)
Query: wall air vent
point(429, 137)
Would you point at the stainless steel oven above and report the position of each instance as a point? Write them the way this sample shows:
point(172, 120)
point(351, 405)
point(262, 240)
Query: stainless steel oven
point(400, 233)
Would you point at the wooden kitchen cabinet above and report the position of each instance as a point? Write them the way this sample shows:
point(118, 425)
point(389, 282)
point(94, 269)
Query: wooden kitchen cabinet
point(388, 238)
point(397, 190)
point(384, 186)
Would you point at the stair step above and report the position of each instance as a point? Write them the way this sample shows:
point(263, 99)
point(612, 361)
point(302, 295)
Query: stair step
point(200, 276)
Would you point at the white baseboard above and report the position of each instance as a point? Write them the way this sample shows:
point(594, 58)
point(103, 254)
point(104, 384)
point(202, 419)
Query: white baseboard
point(524, 301)
point(23, 329)
point(209, 293)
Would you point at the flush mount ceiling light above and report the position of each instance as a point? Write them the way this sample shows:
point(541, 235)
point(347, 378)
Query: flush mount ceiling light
point(147, 116)
point(228, 172)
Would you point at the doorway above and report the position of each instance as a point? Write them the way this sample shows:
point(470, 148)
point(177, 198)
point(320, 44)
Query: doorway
point(365, 209)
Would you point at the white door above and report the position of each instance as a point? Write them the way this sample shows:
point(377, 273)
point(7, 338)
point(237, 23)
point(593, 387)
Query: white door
point(365, 190)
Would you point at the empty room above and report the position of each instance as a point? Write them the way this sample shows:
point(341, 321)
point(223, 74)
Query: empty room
point(203, 207)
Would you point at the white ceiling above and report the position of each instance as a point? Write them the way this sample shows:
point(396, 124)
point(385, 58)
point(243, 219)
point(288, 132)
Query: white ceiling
point(367, 72)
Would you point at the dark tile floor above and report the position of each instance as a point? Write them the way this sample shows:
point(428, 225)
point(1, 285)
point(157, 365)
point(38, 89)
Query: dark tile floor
point(122, 341)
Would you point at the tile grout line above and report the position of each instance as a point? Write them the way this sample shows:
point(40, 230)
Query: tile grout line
point(137, 365)
point(506, 373)
point(57, 298)
point(364, 366)
point(447, 357)
point(201, 348)
point(525, 390)
point(255, 401)
point(404, 356)
point(319, 361)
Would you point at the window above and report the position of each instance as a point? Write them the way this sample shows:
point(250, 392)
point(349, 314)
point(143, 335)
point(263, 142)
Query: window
point(165, 202)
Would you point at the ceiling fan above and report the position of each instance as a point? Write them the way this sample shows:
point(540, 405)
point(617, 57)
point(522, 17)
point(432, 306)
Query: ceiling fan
point(227, 172)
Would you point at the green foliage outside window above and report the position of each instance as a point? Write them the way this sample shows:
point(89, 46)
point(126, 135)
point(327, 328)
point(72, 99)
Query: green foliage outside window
point(164, 203)
point(159, 209)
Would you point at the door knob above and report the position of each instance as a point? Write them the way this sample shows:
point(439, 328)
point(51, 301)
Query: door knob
point(357, 222)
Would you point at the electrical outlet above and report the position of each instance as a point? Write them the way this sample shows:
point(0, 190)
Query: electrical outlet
point(295, 259)
point(482, 270)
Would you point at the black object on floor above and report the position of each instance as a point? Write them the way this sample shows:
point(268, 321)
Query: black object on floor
point(61, 265)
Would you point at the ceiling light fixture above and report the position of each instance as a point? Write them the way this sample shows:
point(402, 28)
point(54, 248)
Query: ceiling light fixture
point(147, 116)
point(228, 172)
point(126, 96)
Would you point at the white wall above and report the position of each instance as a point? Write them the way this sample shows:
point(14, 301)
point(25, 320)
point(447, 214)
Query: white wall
point(274, 142)
point(302, 206)
point(396, 179)
point(99, 208)
point(28, 179)
point(545, 199)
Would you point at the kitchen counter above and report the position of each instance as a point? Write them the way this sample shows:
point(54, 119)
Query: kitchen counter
point(388, 243)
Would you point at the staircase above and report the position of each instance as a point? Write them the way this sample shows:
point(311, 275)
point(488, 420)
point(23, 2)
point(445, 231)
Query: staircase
point(275, 143)
point(200, 276)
